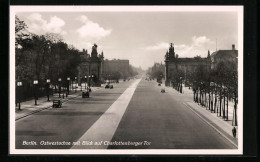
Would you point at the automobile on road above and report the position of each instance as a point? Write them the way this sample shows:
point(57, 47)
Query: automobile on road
point(85, 94)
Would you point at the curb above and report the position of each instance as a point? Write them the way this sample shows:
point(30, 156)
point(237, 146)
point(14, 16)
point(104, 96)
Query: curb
point(205, 119)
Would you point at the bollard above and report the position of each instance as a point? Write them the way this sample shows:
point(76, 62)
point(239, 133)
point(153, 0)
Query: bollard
point(63, 95)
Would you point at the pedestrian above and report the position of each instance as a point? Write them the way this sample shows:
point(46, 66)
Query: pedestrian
point(234, 131)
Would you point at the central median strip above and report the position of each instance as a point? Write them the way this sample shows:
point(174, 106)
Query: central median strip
point(104, 128)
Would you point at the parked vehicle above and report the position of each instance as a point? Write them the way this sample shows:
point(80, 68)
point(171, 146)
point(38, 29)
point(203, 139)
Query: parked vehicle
point(85, 94)
point(57, 103)
point(107, 86)
point(163, 90)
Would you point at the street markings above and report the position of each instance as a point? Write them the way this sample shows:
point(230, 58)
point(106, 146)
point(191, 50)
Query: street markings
point(104, 128)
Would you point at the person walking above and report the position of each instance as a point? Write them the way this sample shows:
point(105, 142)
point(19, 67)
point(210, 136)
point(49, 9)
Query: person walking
point(234, 132)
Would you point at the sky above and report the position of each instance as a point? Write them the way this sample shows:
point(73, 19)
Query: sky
point(141, 37)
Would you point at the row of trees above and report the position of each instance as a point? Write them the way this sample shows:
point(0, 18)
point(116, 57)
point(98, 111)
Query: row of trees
point(116, 75)
point(212, 88)
point(41, 57)
point(157, 71)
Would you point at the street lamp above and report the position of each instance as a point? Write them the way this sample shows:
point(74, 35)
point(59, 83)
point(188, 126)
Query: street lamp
point(68, 86)
point(89, 80)
point(80, 83)
point(47, 88)
point(211, 99)
point(76, 84)
point(19, 84)
point(181, 85)
point(59, 86)
point(92, 78)
point(35, 82)
point(85, 81)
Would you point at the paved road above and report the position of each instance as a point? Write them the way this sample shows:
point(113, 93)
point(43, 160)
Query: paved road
point(68, 123)
point(161, 119)
point(164, 122)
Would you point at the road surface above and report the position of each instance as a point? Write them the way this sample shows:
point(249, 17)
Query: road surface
point(145, 119)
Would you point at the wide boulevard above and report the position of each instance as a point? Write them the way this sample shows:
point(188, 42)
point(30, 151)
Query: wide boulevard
point(132, 115)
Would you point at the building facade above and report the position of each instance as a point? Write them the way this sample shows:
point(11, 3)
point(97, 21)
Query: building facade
point(181, 67)
point(224, 56)
point(91, 66)
point(98, 69)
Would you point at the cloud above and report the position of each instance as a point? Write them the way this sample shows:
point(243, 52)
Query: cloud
point(199, 46)
point(158, 46)
point(91, 31)
point(82, 18)
point(38, 25)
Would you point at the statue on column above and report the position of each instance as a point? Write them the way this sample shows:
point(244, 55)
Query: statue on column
point(171, 51)
point(94, 51)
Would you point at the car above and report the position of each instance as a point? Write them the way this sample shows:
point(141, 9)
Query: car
point(163, 90)
point(107, 86)
point(85, 94)
point(111, 86)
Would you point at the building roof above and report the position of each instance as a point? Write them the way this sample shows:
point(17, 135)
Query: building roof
point(191, 59)
point(221, 53)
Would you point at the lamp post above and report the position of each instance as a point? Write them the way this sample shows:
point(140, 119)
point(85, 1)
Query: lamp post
point(234, 121)
point(68, 86)
point(35, 82)
point(92, 78)
point(48, 88)
point(211, 101)
point(201, 94)
point(19, 84)
point(80, 83)
point(59, 86)
point(85, 81)
point(181, 85)
point(89, 80)
point(76, 84)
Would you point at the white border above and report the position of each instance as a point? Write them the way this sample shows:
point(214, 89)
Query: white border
point(238, 9)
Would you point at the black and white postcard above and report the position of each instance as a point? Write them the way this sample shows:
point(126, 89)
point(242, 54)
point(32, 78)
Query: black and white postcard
point(160, 80)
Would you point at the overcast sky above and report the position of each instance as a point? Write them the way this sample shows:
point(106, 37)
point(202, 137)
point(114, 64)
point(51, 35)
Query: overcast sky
point(141, 37)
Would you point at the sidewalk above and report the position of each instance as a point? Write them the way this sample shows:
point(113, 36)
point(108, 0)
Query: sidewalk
point(29, 107)
point(221, 126)
point(186, 90)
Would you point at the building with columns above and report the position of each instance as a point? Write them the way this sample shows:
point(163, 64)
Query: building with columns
point(176, 67)
point(92, 66)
